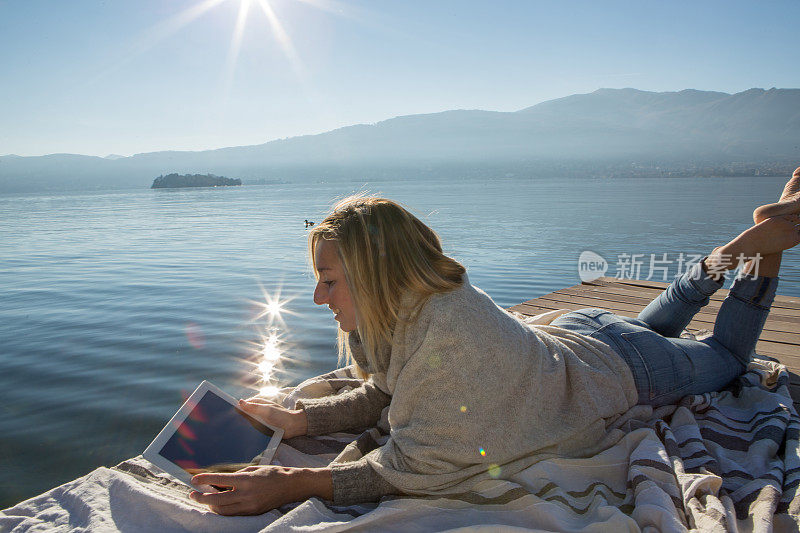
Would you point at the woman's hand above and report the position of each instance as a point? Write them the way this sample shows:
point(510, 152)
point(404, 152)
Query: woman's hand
point(258, 489)
point(292, 421)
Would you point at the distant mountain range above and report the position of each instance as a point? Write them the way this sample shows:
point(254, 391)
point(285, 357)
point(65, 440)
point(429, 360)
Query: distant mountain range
point(607, 132)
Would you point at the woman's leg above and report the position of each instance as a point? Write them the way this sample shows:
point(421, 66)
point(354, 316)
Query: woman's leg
point(675, 307)
point(666, 369)
point(788, 204)
point(744, 311)
point(707, 365)
point(767, 238)
point(710, 364)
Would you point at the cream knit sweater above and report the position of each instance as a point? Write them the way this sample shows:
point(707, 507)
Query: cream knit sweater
point(472, 392)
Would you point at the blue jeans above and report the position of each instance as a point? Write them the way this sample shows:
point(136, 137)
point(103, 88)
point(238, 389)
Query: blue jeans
point(665, 368)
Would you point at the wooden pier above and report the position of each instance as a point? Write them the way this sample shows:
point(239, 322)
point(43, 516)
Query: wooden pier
point(780, 338)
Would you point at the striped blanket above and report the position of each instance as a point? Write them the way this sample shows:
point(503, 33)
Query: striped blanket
point(726, 461)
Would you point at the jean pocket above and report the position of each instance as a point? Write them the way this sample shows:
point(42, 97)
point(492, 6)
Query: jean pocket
point(590, 312)
point(588, 316)
point(668, 368)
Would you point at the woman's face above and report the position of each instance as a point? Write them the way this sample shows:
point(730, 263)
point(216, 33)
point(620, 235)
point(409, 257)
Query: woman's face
point(332, 289)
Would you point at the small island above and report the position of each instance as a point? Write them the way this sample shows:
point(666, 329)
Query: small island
point(171, 181)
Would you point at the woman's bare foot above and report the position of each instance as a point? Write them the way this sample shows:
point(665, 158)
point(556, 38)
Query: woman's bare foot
point(771, 236)
point(788, 204)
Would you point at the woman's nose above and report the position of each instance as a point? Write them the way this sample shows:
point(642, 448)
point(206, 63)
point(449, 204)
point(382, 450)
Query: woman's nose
point(320, 294)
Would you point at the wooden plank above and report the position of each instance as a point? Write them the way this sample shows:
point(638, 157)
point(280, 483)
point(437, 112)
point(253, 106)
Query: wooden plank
point(789, 354)
point(542, 305)
point(649, 294)
point(778, 321)
point(780, 338)
point(788, 314)
point(774, 330)
point(790, 302)
point(701, 320)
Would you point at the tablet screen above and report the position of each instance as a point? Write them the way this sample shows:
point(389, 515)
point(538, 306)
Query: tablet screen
point(216, 437)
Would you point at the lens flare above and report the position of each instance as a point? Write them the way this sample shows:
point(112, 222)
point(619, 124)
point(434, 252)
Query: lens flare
point(198, 415)
point(187, 464)
point(483, 452)
point(186, 448)
point(186, 432)
point(194, 334)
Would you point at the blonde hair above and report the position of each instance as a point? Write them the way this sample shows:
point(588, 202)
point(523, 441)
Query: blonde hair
point(384, 250)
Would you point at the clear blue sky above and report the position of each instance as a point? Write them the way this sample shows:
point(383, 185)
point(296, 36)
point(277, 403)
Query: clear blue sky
point(117, 76)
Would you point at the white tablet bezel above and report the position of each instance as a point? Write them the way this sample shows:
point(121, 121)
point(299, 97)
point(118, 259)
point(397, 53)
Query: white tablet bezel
point(151, 452)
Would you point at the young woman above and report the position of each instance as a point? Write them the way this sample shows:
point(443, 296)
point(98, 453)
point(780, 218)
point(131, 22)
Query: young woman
point(471, 389)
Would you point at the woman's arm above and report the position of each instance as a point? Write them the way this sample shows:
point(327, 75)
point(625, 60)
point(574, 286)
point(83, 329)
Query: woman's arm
point(358, 482)
point(258, 489)
point(292, 421)
point(355, 409)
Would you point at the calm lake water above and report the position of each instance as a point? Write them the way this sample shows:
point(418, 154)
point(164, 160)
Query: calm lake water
point(113, 305)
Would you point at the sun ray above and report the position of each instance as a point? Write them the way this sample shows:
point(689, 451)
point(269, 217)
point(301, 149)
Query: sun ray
point(233, 50)
point(157, 33)
point(284, 41)
point(170, 26)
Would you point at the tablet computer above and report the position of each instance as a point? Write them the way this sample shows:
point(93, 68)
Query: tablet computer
point(209, 433)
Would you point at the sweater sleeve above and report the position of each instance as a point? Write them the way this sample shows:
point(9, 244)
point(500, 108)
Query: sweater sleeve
point(356, 409)
point(358, 482)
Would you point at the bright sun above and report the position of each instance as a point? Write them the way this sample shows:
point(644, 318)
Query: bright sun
point(168, 27)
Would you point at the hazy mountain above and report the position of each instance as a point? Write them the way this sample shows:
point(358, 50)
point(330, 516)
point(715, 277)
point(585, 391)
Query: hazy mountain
point(606, 129)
